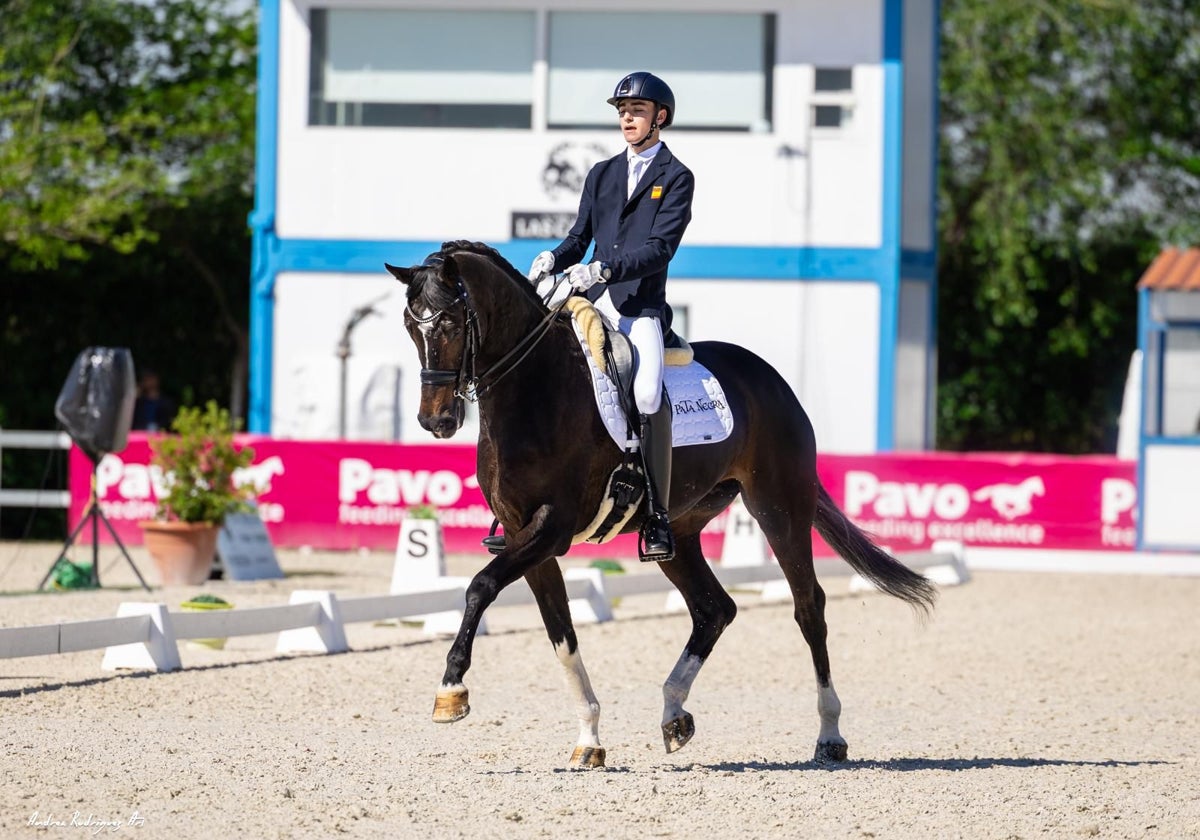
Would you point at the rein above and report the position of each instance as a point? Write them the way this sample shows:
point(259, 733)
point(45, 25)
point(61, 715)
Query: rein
point(466, 371)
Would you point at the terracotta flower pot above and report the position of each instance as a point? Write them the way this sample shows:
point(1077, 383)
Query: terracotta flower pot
point(183, 552)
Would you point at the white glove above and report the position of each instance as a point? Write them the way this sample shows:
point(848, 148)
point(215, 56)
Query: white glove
point(583, 277)
point(542, 265)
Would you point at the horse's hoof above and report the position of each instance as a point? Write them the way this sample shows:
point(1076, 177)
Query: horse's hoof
point(585, 758)
point(678, 732)
point(451, 705)
point(830, 752)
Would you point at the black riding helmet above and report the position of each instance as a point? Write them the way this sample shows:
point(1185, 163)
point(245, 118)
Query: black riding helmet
point(643, 85)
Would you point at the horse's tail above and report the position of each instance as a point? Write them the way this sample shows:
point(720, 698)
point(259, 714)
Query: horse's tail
point(868, 559)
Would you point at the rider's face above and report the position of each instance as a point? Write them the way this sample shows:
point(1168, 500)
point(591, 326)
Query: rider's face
point(634, 117)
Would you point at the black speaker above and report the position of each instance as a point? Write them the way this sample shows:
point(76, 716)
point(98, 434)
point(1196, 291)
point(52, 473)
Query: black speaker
point(95, 404)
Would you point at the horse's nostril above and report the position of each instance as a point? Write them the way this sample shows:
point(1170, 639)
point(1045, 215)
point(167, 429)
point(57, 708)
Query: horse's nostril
point(445, 427)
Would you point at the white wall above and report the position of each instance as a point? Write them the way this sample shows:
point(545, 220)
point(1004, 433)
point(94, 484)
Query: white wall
point(437, 184)
point(914, 367)
point(822, 337)
point(794, 186)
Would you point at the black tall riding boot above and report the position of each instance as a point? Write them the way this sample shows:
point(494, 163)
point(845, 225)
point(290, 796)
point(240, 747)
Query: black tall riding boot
point(656, 542)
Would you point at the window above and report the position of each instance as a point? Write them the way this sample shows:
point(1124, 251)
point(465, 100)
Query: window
point(829, 79)
point(421, 68)
point(827, 116)
point(833, 100)
point(719, 66)
point(440, 69)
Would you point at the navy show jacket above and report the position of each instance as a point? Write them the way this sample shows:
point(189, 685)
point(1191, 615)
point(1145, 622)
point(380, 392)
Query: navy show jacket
point(636, 238)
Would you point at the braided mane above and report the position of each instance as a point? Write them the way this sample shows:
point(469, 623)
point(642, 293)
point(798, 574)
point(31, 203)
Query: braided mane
point(487, 251)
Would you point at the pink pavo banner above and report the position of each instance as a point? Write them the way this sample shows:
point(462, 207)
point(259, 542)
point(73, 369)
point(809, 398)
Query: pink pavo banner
point(350, 495)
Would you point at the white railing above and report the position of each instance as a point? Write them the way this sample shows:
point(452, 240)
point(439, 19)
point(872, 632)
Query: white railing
point(17, 439)
point(145, 635)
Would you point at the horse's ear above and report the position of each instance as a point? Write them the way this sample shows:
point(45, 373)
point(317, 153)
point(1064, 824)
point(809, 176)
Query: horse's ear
point(404, 275)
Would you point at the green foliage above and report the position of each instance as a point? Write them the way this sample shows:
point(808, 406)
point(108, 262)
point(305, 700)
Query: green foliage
point(422, 512)
point(198, 462)
point(206, 601)
point(113, 110)
point(1068, 157)
point(126, 176)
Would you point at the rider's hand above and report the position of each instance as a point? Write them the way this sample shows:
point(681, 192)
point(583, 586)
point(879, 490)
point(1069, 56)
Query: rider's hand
point(583, 277)
point(542, 265)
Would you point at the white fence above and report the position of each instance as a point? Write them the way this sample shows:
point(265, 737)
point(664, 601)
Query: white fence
point(14, 439)
point(146, 635)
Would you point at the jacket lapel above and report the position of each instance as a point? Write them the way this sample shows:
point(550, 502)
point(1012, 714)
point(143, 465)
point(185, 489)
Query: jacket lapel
point(656, 168)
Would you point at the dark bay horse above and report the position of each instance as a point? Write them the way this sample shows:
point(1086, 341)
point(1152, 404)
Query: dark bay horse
point(544, 458)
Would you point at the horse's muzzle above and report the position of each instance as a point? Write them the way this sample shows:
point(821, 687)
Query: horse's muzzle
point(444, 423)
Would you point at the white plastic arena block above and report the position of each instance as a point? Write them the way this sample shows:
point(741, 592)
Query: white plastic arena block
point(448, 622)
point(328, 635)
point(158, 653)
point(675, 602)
point(595, 607)
point(745, 544)
point(858, 583)
point(774, 591)
point(420, 556)
point(954, 572)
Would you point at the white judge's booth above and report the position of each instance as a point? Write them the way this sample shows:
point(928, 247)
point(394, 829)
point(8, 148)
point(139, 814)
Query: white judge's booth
point(1169, 447)
point(386, 127)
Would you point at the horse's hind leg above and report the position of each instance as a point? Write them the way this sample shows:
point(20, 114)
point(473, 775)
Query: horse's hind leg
point(546, 581)
point(786, 519)
point(712, 610)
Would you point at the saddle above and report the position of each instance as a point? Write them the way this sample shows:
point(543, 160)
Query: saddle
point(612, 351)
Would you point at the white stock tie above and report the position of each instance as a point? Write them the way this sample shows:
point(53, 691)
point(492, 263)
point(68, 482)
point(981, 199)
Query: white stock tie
point(636, 166)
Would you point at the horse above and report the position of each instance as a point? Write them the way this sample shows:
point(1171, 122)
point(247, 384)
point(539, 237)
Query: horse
point(483, 334)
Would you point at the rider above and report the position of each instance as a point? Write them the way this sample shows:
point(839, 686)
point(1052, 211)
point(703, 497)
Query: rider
point(636, 207)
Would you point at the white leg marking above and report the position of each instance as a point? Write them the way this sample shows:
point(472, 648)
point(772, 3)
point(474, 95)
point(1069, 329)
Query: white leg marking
point(586, 704)
point(679, 685)
point(829, 707)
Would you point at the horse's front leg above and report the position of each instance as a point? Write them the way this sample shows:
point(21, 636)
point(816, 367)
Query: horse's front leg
point(548, 587)
point(529, 547)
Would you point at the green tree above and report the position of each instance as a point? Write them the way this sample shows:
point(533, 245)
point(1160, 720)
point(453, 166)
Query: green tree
point(1068, 157)
point(126, 171)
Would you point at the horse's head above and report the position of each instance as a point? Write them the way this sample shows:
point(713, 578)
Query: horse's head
point(467, 308)
point(443, 326)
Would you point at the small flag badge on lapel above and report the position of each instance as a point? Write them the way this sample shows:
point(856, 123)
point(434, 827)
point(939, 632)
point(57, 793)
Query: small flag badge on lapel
point(655, 192)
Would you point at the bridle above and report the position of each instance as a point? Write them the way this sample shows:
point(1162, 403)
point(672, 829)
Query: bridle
point(475, 386)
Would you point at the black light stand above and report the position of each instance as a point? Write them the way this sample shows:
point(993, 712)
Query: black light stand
point(93, 514)
point(95, 406)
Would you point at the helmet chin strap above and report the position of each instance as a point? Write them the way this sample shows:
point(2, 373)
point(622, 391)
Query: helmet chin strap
point(638, 145)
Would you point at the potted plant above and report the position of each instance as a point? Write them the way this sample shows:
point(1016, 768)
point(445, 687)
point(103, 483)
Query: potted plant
point(203, 603)
point(196, 490)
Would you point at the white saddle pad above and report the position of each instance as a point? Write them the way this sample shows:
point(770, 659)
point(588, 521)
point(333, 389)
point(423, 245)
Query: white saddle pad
point(700, 412)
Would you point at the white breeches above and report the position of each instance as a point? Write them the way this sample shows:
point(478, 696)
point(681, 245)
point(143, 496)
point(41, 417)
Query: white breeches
point(646, 336)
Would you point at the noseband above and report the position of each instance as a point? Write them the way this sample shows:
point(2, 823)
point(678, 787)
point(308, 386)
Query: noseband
point(466, 370)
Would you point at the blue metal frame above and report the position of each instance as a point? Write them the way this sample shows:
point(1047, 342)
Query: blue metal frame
point(884, 265)
point(892, 202)
point(264, 247)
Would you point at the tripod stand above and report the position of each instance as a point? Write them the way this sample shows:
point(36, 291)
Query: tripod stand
point(94, 515)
